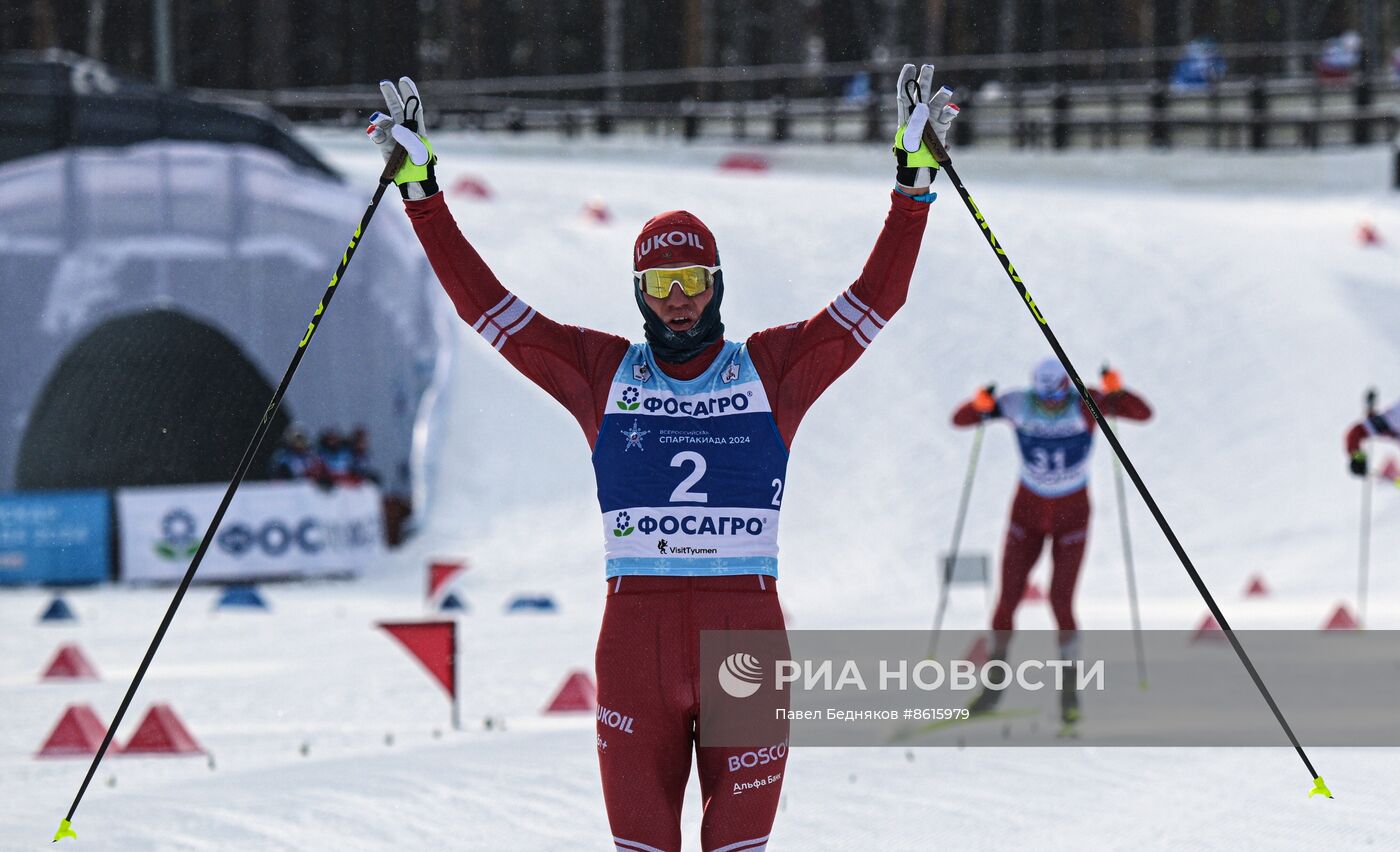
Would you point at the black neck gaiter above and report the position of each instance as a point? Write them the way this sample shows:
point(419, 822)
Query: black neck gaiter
point(679, 347)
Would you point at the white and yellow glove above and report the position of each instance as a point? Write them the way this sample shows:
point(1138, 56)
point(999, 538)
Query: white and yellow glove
point(918, 106)
point(405, 125)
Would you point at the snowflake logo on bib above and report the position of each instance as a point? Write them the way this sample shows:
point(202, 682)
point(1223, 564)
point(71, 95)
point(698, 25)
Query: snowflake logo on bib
point(634, 436)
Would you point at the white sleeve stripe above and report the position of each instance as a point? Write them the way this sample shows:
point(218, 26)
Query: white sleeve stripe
point(831, 309)
point(524, 321)
point(508, 316)
point(857, 302)
point(489, 315)
point(855, 332)
point(504, 320)
point(849, 311)
point(854, 316)
point(500, 305)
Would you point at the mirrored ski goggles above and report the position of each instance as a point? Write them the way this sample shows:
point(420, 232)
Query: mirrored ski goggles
point(694, 280)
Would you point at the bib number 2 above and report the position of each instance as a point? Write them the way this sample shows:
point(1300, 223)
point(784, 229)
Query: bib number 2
point(683, 494)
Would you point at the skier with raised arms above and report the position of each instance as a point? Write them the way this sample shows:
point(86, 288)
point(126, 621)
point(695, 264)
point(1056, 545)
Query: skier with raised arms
point(1055, 433)
point(689, 524)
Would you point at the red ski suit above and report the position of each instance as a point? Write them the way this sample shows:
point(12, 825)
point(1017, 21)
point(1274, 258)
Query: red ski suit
point(1064, 520)
point(647, 652)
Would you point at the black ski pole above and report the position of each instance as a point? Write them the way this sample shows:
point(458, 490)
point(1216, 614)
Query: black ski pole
point(65, 828)
point(952, 559)
point(945, 162)
point(1364, 567)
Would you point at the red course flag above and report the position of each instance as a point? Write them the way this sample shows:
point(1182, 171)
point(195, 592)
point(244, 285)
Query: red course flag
point(439, 574)
point(434, 643)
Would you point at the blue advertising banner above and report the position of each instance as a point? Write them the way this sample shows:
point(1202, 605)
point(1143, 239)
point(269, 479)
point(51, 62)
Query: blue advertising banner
point(55, 537)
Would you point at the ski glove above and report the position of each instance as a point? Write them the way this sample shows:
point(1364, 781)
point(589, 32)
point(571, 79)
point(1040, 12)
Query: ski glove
point(918, 105)
point(985, 402)
point(1112, 382)
point(1358, 463)
point(405, 125)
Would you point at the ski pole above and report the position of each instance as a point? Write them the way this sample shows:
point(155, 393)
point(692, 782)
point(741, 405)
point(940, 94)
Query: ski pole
point(65, 828)
point(952, 559)
point(1132, 578)
point(1364, 566)
point(945, 162)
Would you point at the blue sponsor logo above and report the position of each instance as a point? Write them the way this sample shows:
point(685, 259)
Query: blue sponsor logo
point(703, 407)
point(699, 525)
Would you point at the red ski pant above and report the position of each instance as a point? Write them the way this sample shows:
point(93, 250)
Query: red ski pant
point(648, 709)
point(1063, 520)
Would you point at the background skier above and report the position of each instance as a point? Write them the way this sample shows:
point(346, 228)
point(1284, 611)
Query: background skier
point(1055, 433)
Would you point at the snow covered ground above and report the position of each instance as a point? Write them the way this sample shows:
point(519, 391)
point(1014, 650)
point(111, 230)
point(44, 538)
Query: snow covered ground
point(1250, 318)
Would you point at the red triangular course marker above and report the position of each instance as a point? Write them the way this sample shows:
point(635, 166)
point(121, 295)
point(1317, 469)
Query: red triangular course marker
point(596, 210)
point(1256, 588)
point(472, 186)
point(161, 732)
point(440, 574)
point(578, 694)
point(69, 664)
point(1208, 630)
point(741, 162)
point(1033, 593)
point(433, 643)
point(1341, 620)
point(976, 653)
point(77, 733)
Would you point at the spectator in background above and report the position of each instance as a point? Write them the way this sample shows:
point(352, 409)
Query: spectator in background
point(1340, 58)
point(1200, 65)
point(335, 455)
point(294, 458)
point(359, 457)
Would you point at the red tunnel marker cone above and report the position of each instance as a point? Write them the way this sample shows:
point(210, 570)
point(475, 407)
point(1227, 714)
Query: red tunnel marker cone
point(1033, 593)
point(1341, 619)
point(472, 187)
point(161, 732)
point(69, 664)
point(577, 694)
point(1256, 588)
point(78, 733)
point(596, 210)
point(1208, 630)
